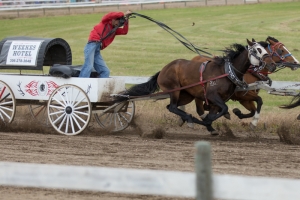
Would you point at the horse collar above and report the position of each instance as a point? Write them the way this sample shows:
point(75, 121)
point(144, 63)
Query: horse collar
point(232, 76)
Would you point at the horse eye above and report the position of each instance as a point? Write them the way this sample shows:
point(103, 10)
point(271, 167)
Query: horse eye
point(259, 50)
point(279, 51)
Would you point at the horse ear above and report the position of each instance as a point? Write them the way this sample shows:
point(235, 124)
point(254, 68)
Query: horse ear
point(253, 40)
point(249, 42)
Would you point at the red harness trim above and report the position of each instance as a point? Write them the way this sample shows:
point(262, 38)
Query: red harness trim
point(2, 92)
point(181, 88)
point(201, 69)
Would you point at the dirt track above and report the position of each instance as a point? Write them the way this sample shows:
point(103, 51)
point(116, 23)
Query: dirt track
point(259, 154)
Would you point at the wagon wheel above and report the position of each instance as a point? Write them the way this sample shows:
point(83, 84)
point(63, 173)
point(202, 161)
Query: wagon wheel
point(69, 110)
point(118, 118)
point(39, 113)
point(7, 103)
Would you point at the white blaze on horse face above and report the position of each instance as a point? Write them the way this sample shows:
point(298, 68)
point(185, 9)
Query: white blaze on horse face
point(260, 52)
point(295, 60)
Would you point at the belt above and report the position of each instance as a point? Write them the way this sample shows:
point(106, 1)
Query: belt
point(91, 41)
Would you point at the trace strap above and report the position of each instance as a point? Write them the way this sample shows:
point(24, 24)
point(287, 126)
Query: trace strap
point(177, 35)
point(177, 89)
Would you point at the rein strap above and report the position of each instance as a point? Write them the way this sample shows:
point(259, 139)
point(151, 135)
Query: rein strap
point(177, 35)
point(181, 88)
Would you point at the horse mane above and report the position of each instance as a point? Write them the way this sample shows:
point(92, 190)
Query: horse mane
point(272, 38)
point(230, 53)
point(263, 43)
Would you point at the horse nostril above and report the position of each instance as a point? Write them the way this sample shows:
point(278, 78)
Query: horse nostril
point(272, 67)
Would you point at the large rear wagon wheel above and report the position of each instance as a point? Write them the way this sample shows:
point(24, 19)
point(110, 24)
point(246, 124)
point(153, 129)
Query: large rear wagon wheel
point(69, 110)
point(7, 103)
point(118, 118)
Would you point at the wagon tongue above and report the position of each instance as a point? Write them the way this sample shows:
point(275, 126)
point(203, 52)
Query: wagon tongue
point(293, 66)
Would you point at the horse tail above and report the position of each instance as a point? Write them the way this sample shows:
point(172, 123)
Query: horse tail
point(142, 89)
point(292, 105)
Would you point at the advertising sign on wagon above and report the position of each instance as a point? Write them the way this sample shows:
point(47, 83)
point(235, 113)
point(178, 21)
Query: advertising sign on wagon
point(23, 53)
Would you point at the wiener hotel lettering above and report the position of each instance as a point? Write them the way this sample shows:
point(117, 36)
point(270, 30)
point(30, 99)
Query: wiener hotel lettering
point(22, 52)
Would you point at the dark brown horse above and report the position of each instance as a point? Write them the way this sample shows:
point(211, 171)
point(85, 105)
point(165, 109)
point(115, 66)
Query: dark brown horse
point(281, 55)
point(215, 82)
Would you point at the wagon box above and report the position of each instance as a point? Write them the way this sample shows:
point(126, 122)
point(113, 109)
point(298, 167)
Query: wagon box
point(67, 102)
point(39, 87)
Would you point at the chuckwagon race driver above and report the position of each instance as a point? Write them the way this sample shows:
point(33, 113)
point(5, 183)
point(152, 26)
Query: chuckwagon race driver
point(101, 36)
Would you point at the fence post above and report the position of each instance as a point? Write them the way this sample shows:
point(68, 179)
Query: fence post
point(203, 171)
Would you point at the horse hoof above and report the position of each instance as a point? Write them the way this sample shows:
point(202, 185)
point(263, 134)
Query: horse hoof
point(252, 126)
point(190, 125)
point(214, 133)
point(236, 111)
point(203, 116)
point(227, 116)
point(180, 122)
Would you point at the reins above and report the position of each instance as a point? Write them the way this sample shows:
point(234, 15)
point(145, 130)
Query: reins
point(175, 34)
point(181, 88)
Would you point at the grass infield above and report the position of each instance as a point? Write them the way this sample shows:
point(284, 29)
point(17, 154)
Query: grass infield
point(148, 48)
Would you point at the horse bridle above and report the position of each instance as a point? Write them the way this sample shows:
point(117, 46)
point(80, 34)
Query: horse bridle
point(277, 52)
point(253, 52)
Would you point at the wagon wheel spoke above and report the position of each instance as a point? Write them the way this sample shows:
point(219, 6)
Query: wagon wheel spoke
point(39, 113)
point(7, 103)
point(69, 110)
point(117, 118)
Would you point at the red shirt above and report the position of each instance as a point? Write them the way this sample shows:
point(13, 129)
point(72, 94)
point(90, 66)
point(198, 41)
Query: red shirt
point(105, 26)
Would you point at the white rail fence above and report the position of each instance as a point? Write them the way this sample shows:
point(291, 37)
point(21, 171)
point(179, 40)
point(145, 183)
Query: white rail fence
point(278, 85)
point(17, 4)
point(32, 4)
point(34, 8)
point(201, 185)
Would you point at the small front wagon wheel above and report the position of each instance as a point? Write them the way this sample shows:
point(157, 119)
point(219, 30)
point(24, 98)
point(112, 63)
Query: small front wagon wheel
point(7, 103)
point(69, 110)
point(118, 118)
point(39, 113)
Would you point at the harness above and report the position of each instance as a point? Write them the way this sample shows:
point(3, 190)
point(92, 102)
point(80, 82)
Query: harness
point(257, 72)
point(229, 72)
point(232, 76)
point(201, 70)
point(276, 53)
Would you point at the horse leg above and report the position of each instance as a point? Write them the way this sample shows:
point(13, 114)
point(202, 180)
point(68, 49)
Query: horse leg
point(249, 105)
point(173, 107)
point(259, 103)
point(200, 108)
point(184, 98)
point(207, 108)
point(254, 112)
point(218, 108)
point(209, 119)
point(200, 111)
